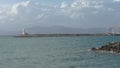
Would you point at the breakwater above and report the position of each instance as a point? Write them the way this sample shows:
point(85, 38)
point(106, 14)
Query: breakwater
point(113, 47)
point(59, 35)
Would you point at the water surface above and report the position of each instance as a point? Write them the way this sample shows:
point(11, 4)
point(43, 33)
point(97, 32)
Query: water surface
point(56, 52)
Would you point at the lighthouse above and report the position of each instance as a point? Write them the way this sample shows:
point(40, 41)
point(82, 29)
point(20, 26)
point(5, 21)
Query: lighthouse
point(23, 32)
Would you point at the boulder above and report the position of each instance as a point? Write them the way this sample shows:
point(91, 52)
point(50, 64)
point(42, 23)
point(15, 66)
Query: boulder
point(111, 46)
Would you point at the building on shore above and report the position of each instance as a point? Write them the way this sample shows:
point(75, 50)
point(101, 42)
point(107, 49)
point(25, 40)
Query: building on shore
point(114, 31)
point(23, 34)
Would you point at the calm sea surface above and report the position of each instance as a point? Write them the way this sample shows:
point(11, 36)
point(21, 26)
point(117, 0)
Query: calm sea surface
point(56, 52)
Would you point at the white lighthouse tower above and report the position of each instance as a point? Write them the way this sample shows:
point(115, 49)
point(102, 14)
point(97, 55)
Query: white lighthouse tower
point(23, 31)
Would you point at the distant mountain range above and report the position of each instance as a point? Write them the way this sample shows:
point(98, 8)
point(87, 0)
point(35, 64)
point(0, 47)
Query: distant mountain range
point(63, 30)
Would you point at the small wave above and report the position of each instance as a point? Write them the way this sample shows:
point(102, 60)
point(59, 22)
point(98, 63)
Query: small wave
point(101, 51)
point(89, 50)
point(5, 52)
point(36, 62)
point(22, 58)
point(72, 66)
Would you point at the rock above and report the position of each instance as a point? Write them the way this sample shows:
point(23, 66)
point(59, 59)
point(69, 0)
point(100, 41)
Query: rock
point(111, 46)
point(94, 49)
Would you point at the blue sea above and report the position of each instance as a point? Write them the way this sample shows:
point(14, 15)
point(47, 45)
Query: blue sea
point(57, 52)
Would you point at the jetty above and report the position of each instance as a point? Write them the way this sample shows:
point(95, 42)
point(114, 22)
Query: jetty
point(26, 34)
point(113, 47)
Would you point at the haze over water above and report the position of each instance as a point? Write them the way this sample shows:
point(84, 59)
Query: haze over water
point(56, 52)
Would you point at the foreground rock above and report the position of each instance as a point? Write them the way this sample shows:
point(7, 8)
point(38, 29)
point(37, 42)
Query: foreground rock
point(110, 47)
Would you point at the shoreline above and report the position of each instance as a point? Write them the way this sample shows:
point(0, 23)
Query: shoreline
point(62, 35)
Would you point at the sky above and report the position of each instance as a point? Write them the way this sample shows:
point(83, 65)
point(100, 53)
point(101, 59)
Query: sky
point(18, 14)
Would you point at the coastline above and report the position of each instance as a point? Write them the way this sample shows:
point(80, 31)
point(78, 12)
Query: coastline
point(60, 35)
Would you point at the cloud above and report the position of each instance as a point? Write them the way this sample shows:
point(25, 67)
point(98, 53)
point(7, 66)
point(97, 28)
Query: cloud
point(116, 0)
point(87, 4)
point(80, 7)
point(80, 4)
point(93, 11)
point(78, 13)
point(64, 5)
point(40, 16)
point(15, 7)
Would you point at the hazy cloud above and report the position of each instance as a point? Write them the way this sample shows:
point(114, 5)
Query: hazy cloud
point(81, 7)
point(64, 5)
point(77, 13)
point(15, 7)
point(116, 0)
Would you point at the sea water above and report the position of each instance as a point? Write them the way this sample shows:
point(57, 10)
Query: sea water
point(56, 52)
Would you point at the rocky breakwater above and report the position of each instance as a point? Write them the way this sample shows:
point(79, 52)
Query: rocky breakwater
point(113, 47)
